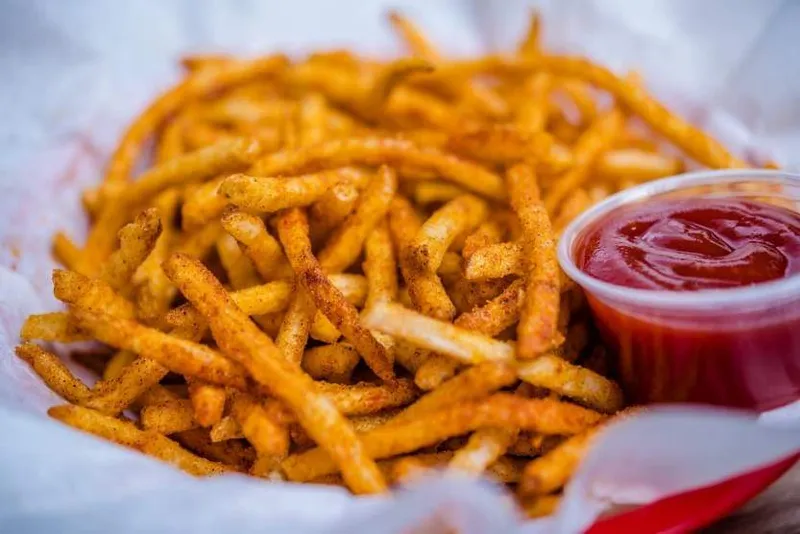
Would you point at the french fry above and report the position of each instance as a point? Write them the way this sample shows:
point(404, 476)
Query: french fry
point(380, 267)
point(239, 269)
point(550, 472)
point(501, 144)
point(532, 112)
point(574, 204)
point(242, 340)
point(257, 243)
point(488, 233)
point(541, 506)
point(90, 294)
point(137, 240)
point(494, 261)
point(208, 402)
point(530, 44)
point(346, 242)
point(366, 398)
point(388, 79)
point(377, 151)
point(54, 326)
point(458, 217)
point(412, 37)
point(312, 119)
point(169, 418)
point(332, 209)
point(232, 453)
point(65, 251)
point(636, 164)
point(170, 142)
point(293, 234)
point(424, 288)
point(500, 410)
point(125, 433)
point(434, 191)
point(294, 329)
point(53, 373)
point(226, 429)
point(268, 435)
point(332, 363)
point(537, 325)
point(116, 365)
point(203, 204)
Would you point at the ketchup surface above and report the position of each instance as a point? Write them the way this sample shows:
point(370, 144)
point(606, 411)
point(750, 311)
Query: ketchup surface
point(735, 357)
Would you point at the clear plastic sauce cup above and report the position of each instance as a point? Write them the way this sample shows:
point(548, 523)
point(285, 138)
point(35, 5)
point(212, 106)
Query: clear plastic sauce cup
point(736, 347)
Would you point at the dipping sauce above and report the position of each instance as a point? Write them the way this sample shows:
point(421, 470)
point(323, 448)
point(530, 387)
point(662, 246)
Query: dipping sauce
point(741, 358)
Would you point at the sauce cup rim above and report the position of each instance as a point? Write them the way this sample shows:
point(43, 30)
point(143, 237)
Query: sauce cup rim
point(758, 295)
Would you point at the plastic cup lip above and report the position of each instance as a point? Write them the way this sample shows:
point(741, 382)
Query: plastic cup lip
point(759, 295)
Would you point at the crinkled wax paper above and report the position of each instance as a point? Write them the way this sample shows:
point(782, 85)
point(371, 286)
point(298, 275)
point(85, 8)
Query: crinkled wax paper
point(75, 72)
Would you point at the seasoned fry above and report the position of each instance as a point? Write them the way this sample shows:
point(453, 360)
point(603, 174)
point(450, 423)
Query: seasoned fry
point(550, 472)
point(65, 251)
point(432, 191)
point(55, 326)
point(239, 269)
point(261, 428)
point(117, 363)
point(537, 325)
point(502, 144)
point(293, 332)
point(232, 453)
point(637, 165)
point(377, 151)
point(169, 418)
point(227, 428)
point(380, 267)
point(90, 294)
point(388, 79)
point(332, 363)
point(53, 373)
point(127, 434)
point(501, 410)
point(203, 204)
point(332, 209)
point(293, 234)
point(257, 243)
point(208, 402)
point(242, 340)
point(494, 261)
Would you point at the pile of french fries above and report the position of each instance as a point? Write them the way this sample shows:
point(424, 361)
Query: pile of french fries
point(341, 270)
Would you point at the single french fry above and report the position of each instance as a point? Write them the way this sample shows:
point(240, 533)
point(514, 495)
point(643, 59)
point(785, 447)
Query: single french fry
point(242, 340)
point(502, 144)
point(425, 289)
point(551, 471)
point(238, 267)
point(202, 204)
point(65, 251)
point(118, 362)
point(312, 119)
point(170, 142)
point(366, 398)
point(293, 234)
point(232, 453)
point(262, 430)
point(488, 233)
point(208, 402)
point(294, 329)
point(537, 326)
point(169, 418)
point(268, 195)
point(53, 373)
point(434, 191)
point(332, 363)
point(137, 240)
point(380, 266)
point(412, 37)
point(346, 242)
point(636, 164)
point(497, 314)
point(574, 204)
point(54, 326)
point(531, 115)
point(257, 243)
point(322, 329)
point(387, 79)
point(125, 433)
point(458, 217)
point(593, 142)
point(377, 151)
point(485, 446)
point(500, 410)
point(494, 261)
point(530, 44)
point(90, 294)
point(332, 209)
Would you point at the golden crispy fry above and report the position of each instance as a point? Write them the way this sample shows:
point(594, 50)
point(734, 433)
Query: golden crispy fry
point(531, 42)
point(322, 329)
point(312, 119)
point(332, 363)
point(424, 288)
point(89, 294)
point(592, 143)
point(537, 325)
point(366, 398)
point(55, 326)
point(137, 240)
point(170, 142)
point(257, 243)
point(261, 428)
point(346, 242)
point(65, 251)
point(53, 373)
point(293, 332)
point(242, 340)
point(409, 357)
point(227, 428)
point(578, 93)
point(406, 468)
point(433, 191)
point(125, 433)
point(114, 394)
point(500, 410)
point(169, 418)
point(380, 266)
point(274, 194)
point(532, 112)
point(473, 383)
point(416, 43)
point(377, 151)
point(208, 401)
point(202, 204)
point(551, 471)
point(494, 261)
point(458, 217)
point(238, 267)
point(293, 234)
point(488, 233)
point(116, 365)
point(554, 373)
point(635, 164)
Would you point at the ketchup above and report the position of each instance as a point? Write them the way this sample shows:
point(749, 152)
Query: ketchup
point(735, 357)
